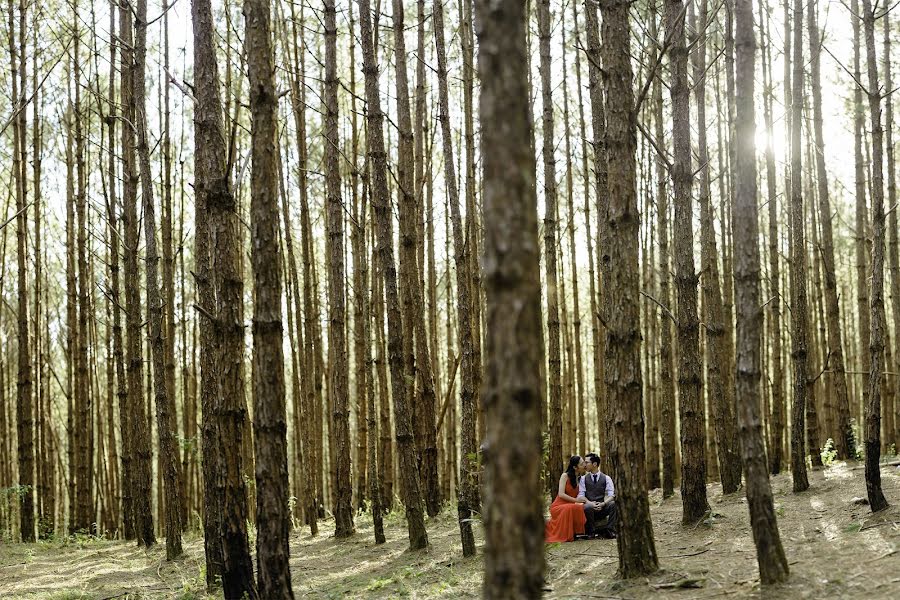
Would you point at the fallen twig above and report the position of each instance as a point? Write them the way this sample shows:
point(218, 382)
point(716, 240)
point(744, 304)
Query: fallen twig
point(683, 555)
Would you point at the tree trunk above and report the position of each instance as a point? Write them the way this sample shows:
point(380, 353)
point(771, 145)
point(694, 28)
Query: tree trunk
point(774, 324)
point(555, 458)
point(467, 492)
point(773, 566)
point(892, 426)
point(862, 220)
point(844, 441)
point(220, 292)
point(693, 433)
point(513, 515)
point(273, 520)
point(418, 364)
point(598, 126)
point(621, 305)
point(799, 310)
point(138, 433)
point(337, 343)
point(24, 406)
point(876, 343)
point(165, 426)
point(409, 482)
point(718, 350)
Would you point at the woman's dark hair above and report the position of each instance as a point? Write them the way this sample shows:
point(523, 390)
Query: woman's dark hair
point(574, 461)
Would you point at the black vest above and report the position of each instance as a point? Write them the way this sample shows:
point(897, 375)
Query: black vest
point(595, 492)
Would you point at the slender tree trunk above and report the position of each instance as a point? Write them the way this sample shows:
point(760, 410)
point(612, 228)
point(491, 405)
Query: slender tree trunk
point(337, 343)
point(514, 551)
point(598, 126)
point(596, 355)
point(774, 324)
point(467, 492)
point(773, 566)
point(273, 521)
point(555, 458)
point(799, 310)
point(310, 323)
point(862, 218)
point(718, 350)
point(138, 432)
point(412, 497)
point(877, 500)
point(165, 426)
point(168, 271)
point(24, 406)
point(220, 291)
point(693, 433)
point(892, 426)
point(844, 441)
point(418, 364)
point(620, 305)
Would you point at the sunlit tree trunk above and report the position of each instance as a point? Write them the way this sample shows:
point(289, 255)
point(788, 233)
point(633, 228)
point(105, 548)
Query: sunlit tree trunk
point(770, 555)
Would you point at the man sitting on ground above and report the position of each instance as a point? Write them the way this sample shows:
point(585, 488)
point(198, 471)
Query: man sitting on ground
point(599, 492)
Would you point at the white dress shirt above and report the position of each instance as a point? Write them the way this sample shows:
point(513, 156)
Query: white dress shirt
point(610, 488)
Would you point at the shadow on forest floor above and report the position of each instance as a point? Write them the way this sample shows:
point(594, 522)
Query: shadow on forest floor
point(834, 547)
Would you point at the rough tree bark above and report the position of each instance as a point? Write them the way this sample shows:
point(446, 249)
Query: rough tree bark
point(337, 343)
point(877, 500)
point(621, 304)
point(799, 309)
point(418, 364)
point(467, 491)
point(555, 457)
point(24, 407)
point(693, 430)
point(409, 482)
point(773, 566)
point(273, 519)
point(220, 290)
point(513, 507)
point(861, 224)
point(165, 421)
point(138, 431)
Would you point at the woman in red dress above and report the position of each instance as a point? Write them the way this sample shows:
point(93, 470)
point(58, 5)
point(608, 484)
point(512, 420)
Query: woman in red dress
point(567, 511)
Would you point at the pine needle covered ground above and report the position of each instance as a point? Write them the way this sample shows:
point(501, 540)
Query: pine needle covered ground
point(835, 547)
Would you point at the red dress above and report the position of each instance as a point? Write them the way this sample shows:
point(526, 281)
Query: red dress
point(566, 518)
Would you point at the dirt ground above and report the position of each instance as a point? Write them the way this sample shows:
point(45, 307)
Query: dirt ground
point(835, 548)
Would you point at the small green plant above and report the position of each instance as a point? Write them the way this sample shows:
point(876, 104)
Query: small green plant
point(377, 584)
point(828, 453)
point(852, 528)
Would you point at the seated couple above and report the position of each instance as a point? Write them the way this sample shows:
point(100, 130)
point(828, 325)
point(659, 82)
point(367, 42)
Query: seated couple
point(585, 497)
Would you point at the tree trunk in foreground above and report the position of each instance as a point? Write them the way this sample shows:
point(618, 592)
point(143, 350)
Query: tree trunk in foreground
point(513, 505)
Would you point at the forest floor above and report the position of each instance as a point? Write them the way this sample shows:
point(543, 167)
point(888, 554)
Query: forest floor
point(835, 548)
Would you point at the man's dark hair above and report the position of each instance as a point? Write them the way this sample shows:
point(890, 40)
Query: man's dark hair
point(593, 458)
